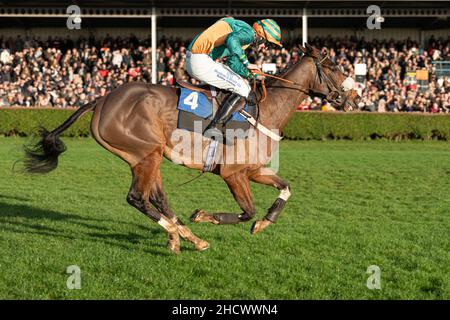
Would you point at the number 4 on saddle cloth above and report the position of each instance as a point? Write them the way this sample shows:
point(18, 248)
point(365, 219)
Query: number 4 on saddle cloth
point(196, 111)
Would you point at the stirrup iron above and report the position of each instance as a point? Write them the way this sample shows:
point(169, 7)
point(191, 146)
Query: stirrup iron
point(211, 155)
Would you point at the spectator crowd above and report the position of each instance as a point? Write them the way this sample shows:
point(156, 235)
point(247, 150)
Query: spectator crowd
point(57, 72)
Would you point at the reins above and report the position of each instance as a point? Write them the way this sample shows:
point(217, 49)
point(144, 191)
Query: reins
point(319, 73)
point(275, 77)
point(294, 83)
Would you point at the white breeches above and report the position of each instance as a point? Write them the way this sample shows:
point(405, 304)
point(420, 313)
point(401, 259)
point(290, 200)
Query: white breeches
point(203, 68)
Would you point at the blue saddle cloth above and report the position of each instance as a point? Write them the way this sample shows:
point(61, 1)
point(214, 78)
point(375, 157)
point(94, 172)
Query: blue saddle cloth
point(195, 113)
point(198, 104)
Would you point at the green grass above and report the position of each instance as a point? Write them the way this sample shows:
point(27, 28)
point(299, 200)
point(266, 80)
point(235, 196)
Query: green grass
point(353, 204)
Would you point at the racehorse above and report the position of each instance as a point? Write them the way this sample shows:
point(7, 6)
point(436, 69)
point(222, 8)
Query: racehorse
point(137, 122)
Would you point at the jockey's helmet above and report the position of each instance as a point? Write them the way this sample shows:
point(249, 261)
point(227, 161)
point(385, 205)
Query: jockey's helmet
point(269, 30)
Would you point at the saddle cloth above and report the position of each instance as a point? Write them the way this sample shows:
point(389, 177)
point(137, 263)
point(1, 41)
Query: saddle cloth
point(196, 111)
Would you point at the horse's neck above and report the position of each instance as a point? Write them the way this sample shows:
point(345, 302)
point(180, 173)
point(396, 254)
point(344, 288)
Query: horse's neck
point(283, 99)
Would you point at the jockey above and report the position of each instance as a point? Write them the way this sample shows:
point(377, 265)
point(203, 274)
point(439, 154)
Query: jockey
point(228, 38)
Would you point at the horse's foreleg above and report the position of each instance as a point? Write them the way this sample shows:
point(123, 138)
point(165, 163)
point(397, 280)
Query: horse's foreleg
point(138, 197)
point(159, 201)
point(276, 208)
point(239, 186)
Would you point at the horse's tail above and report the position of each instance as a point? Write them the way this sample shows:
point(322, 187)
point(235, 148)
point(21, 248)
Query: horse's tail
point(42, 156)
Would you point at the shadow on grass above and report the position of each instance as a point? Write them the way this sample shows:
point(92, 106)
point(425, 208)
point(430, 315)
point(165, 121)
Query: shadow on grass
point(31, 221)
point(13, 198)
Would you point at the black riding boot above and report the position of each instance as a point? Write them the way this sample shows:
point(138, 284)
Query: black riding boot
point(222, 115)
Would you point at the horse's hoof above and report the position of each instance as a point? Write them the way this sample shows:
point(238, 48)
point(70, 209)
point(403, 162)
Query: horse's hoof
point(197, 216)
point(174, 248)
point(202, 246)
point(259, 226)
point(174, 243)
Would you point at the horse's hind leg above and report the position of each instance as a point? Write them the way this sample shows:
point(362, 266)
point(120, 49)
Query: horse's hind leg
point(271, 179)
point(159, 201)
point(239, 186)
point(138, 196)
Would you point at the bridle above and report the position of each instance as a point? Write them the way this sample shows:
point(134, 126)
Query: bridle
point(335, 91)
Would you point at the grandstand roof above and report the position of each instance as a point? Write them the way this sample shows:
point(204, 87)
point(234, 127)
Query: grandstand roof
point(330, 13)
point(225, 4)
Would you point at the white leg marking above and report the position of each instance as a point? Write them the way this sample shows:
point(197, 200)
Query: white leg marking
point(166, 224)
point(285, 194)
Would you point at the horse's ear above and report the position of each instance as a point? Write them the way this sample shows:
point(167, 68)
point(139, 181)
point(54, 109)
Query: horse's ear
point(304, 50)
point(309, 47)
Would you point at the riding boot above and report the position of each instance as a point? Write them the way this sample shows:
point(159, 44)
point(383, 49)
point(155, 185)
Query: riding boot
point(222, 115)
point(212, 132)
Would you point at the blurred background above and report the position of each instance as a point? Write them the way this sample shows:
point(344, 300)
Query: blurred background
point(54, 55)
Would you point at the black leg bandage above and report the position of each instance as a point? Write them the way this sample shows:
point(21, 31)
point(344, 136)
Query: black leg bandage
point(275, 210)
point(227, 218)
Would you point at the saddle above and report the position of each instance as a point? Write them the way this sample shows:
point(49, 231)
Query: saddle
point(196, 108)
point(198, 104)
point(205, 89)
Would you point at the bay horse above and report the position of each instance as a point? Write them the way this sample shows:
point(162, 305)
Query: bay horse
point(137, 122)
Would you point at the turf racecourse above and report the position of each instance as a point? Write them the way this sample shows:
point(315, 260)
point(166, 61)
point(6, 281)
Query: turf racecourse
point(353, 204)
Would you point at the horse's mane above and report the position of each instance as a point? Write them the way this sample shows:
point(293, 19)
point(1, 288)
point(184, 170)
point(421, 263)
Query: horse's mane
point(308, 51)
point(282, 72)
point(268, 81)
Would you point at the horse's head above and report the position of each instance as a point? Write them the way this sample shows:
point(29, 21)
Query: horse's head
point(330, 81)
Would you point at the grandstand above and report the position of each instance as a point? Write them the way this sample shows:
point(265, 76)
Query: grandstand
point(43, 63)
